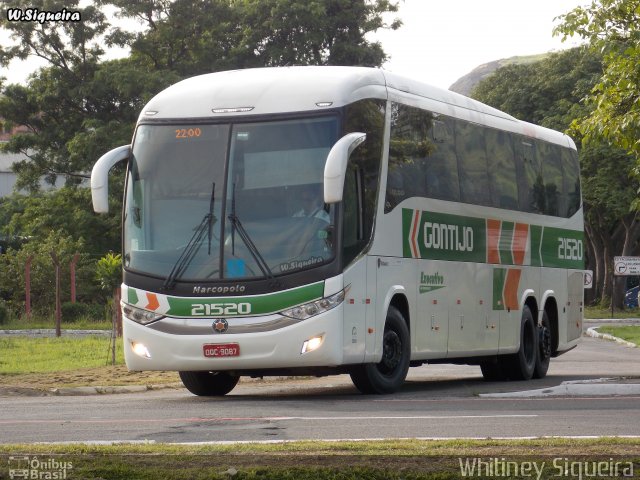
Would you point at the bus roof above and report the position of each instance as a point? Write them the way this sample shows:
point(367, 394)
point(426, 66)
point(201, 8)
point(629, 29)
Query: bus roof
point(264, 91)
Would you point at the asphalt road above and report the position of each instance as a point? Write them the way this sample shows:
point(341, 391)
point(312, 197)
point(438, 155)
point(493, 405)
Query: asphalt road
point(437, 401)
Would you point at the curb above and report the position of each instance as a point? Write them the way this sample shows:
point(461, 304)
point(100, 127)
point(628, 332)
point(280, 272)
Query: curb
point(588, 388)
point(11, 391)
point(593, 332)
point(101, 390)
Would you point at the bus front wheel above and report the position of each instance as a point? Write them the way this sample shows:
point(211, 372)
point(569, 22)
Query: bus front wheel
point(389, 374)
point(208, 384)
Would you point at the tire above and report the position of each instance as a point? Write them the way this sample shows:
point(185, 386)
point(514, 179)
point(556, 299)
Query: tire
point(208, 384)
point(543, 351)
point(388, 375)
point(494, 371)
point(523, 363)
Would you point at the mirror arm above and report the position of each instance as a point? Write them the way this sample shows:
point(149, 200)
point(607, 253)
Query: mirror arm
point(336, 166)
point(100, 177)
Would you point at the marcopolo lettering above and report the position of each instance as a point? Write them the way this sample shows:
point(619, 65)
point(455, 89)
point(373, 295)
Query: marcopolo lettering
point(443, 236)
point(219, 289)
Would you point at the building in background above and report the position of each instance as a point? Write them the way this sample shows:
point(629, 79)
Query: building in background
point(7, 176)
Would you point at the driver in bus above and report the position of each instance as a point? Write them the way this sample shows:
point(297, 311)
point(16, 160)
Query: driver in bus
point(312, 204)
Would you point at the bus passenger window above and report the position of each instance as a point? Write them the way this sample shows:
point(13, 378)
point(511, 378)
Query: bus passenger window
point(472, 161)
point(442, 165)
point(549, 159)
point(532, 195)
point(502, 169)
point(571, 169)
point(410, 144)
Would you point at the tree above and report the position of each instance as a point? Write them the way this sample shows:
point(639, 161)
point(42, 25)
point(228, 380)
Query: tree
point(12, 273)
point(73, 121)
point(186, 37)
point(66, 211)
point(315, 32)
point(549, 93)
point(79, 106)
point(613, 27)
point(53, 106)
point(201, 36)
point(109, 275)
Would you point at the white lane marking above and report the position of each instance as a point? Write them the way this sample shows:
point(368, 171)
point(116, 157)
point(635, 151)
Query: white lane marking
point(265, 419)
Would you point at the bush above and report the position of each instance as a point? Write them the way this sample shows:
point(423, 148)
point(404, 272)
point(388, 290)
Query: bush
point(4, 313)
point(74, 311)
point(98, 312)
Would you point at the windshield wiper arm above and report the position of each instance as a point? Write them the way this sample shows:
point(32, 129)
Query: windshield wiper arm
point(212, 201)
point(236, 224)
point(192, 246)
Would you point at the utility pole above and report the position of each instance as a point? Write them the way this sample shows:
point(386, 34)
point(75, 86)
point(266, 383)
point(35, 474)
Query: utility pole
point(56, 264)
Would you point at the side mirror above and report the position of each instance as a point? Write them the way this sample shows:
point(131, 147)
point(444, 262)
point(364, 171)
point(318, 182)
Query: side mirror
point(100, 177)
point(336, 166)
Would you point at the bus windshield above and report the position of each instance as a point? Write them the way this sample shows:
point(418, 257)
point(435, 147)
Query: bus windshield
point(209, 202)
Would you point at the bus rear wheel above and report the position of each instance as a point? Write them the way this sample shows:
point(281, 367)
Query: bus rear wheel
point(494, 370)
point(522, 364)
point(388, 375)
point(208, 384)
point(544, 347)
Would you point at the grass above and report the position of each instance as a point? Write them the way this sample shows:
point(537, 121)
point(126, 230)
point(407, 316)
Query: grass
point(630, 333)
point(388, 459)
point(601, 312)
point(44, 363)
point(20, 355)
point(41, 322)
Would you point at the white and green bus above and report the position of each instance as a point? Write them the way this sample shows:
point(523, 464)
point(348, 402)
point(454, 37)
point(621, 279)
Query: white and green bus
point(324, 220)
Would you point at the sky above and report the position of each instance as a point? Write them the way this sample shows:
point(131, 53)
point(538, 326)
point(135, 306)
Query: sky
point(442, 40)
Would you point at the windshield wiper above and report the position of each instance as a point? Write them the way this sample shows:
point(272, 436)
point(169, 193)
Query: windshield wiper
point(193, 246)
point(236, 224)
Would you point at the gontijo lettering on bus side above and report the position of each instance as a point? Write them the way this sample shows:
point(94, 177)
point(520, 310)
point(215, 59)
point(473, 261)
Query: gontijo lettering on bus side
point(441, 236)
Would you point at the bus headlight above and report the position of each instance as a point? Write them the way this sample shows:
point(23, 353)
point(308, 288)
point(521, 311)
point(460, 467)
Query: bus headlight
point(302, 312)
point(140, 349)
point(312, 344)
point(139, 315)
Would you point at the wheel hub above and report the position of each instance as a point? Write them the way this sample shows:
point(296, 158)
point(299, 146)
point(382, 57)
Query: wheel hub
point(545, 342)
point(391, 352)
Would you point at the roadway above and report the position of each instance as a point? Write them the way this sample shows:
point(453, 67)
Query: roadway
point(437, 401)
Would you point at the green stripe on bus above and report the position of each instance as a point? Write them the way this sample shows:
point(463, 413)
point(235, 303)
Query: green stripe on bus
point(562, 248)
point(407, 218)
point(440, 236)
point(536, 240)
point(446, 237)
point(259, 304)
point(499, 277)
point(132, 296)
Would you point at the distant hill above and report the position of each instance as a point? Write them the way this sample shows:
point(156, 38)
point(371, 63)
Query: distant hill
point(465, 84)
